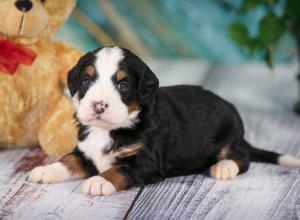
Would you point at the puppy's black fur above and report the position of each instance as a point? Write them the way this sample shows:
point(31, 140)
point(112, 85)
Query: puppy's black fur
point(77, 79)
point(183, 129)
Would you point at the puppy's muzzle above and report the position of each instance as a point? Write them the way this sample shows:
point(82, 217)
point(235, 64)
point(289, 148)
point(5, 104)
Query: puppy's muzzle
point(99, 107)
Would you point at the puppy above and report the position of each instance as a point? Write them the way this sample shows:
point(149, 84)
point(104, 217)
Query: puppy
point(134, 133)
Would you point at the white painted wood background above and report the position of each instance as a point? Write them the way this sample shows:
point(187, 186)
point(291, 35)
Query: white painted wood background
point(265, 101)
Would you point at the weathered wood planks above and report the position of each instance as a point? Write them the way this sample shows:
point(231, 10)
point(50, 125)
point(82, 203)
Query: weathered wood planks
point(23, 200)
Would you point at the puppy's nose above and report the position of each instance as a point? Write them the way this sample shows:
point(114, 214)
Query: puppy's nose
point(24, 5)
point(99, 107)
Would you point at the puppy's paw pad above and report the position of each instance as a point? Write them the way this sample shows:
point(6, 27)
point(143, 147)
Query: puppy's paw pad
point(224, 170)
point(52, 173)
point(98, 186)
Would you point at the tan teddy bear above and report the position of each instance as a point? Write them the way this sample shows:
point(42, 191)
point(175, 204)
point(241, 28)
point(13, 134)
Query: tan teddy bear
point(33, 70)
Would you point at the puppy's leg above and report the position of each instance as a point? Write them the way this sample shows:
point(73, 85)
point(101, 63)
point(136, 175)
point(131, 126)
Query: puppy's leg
point(231, 162)
point(114, 179)
point(70, 166)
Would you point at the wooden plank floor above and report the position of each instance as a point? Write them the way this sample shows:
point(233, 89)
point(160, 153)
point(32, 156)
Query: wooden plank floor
point(23, 200)
point(265, 192)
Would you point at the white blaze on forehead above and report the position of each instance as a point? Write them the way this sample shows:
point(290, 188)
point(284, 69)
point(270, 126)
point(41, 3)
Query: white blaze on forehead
point(107, 61)
point(107, 64)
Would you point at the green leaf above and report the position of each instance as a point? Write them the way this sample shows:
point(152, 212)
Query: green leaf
point(292, 12)
point(271, 2)
point(239, 33)
point(255, 44)
point(271, 29)
point(250, 4)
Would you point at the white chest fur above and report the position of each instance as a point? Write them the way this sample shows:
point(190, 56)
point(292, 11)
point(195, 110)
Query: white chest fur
point(94, 145)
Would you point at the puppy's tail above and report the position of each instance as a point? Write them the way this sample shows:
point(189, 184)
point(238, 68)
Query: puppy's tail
point(259, 155)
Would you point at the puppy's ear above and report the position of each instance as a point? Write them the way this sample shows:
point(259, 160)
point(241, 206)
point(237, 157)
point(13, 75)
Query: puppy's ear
point(73, 78)
point(75, 72)
point(147, 84)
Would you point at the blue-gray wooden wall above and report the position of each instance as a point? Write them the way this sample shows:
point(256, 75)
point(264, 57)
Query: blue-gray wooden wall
point(165, 28)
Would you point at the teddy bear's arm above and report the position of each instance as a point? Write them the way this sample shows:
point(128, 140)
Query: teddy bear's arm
point(68, 57)
point(58, 132)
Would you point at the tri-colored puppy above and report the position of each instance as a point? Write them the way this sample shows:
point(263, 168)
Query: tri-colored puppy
point(134, 133)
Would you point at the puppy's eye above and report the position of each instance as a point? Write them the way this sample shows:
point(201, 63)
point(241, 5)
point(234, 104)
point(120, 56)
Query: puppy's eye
point(123, 86)
point(86, 82)
point(43, 1)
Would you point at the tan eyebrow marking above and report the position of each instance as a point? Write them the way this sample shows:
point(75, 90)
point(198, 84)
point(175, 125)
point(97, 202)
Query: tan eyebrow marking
point(90, 70)
point(121, 75)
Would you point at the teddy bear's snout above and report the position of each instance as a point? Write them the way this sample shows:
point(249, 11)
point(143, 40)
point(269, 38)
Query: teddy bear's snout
point(24, 5)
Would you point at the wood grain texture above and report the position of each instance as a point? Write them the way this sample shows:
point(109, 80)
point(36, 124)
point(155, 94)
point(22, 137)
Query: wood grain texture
point(20, 199)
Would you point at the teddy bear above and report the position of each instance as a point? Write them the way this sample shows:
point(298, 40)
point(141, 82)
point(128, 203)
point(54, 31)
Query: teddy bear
point(33, 70)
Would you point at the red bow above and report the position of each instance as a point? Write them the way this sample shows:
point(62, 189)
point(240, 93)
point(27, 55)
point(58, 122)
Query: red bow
point(12, 54)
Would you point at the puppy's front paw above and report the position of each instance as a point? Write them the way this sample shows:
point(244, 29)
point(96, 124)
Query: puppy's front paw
point(98, 186)
point(224, 170)
point(52, 173)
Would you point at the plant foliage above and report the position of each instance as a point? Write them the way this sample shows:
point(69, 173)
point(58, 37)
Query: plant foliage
point(271, 28)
